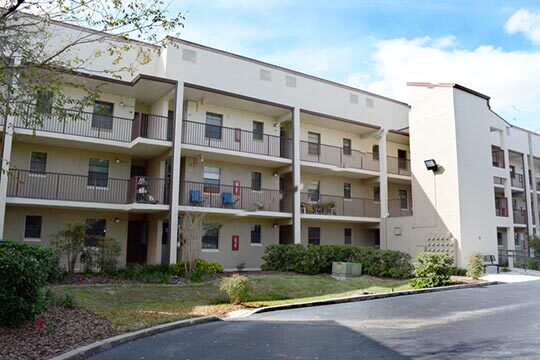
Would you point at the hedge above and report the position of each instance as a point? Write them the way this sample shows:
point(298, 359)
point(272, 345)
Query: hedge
point(317, 259)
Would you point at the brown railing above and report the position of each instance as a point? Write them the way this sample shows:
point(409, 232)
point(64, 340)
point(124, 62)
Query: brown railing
point(398, 166)
point(520, 216)
point(339, 206)
point(400, 207)
point(335, 155)
point(234, 197)
point(235, 139)
point(87, 124)
point(57, 186)
point(497, 155)
point(498, 180)
point(517, 181)
point(501, 206)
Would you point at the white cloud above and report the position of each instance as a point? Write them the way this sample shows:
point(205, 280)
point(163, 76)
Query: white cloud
point(526, 22)
point(510, 77)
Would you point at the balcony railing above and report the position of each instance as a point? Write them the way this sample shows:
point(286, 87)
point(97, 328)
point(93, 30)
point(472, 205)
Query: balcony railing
point(400, 207)
point(234, 197)
point(87, 124)
point(517, 181)
point(501, 206)
point(335, 155)
point(520, 216)
point(339, 206)
point(497, 180)
point(497, 155)
point(235, 139)
point(67, 187)
point(398, 166)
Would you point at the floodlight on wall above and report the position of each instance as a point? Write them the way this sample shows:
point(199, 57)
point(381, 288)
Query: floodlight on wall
point(117, 220)
point(431, 164)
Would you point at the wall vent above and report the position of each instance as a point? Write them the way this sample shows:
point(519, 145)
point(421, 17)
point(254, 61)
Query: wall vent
point(290, 81)
point(265, 75)
point(189, 55)
point(353, 98)
point(369, 103)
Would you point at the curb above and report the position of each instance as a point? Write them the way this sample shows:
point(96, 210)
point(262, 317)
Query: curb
point(361, 298)
point(101, 345)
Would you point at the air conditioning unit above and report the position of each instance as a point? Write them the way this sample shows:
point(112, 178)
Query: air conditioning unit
point(346, 269)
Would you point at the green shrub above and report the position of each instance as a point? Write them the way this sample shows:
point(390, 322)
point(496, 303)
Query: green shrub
point(23, 273)
point(475, 266)
point(455, 271)
point(48, 258)
point(107, 255)
point(204, 268)
point(66, 300)
point(318, 259)
point(162, 273)
point(236, 287)
point(432, 270)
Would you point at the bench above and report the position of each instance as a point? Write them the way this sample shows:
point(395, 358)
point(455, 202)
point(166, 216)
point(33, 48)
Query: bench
point(489, 260)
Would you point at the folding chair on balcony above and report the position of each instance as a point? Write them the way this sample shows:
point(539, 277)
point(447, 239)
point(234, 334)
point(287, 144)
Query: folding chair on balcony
point(227, 199)
point(195, 198)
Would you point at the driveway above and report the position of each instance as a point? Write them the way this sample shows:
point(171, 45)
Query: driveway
point(495, 322)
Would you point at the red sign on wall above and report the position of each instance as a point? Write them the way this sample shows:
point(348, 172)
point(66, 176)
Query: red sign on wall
point(236, 187)
point(235, 242)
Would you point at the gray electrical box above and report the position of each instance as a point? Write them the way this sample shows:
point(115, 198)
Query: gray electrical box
point(346, 269)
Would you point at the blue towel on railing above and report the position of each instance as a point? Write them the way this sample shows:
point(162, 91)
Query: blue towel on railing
point(227, 198)
point(195, 196)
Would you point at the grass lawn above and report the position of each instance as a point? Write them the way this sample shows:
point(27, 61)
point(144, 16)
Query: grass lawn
point(133, 307)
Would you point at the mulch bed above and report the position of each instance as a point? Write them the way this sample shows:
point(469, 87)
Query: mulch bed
point(63, 330)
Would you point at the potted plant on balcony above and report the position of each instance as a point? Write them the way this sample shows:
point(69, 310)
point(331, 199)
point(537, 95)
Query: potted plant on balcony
point(328, 207)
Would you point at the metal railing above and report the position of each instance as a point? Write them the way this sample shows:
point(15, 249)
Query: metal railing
point(234, 197)
point(400, 207)
point(398, 166)
point(338, 156)
point(67, 187)
point(501, 206)
point(497, 180)
point(522, 259)
point(339, 206)
point(235, 139)
point(497, 155)
point(520, 216)
point(517, 181)
point(92, 125)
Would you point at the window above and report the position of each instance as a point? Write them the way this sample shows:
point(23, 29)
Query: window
point(313, 191)
point(347, 234)
point(32, 227)
point(258, 130)
point(314, 236)
point(98, 173)
point(347, 147)
point(402, 159)
point(213, 126)
point(256, 234)
point(211, 179)
point(403, 199)
point(375, 151)
point(500, 239)
point(44, 102)
point(210, 240)
point(377, 238)
point(95, 231)
point(512, 171)
point(347, 191)
point(314, 143)
point(256, 181)
point(102, 116)
point(38, 162)
point(377, 194)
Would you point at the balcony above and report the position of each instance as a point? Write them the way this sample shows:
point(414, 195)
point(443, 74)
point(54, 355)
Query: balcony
point(501, 206)
point(91, 125)
point(332, 205)
point(400, 207)
point(337, 156)
point(520, 216)
point(235, 139)
point(497, 180)
point(80, 188)
point(517, 181)
point(497, 155)
point(231, 197)
point(398, 166)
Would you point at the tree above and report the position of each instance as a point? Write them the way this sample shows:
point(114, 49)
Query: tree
point(192, 227)
point(70, 242)
point(37, 53)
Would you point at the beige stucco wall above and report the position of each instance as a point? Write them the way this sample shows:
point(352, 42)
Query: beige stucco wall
point(332, 233)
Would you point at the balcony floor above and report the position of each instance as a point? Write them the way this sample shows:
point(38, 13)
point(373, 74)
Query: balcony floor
point(235, 212)
point(234, 156)
point(135, 207)
point(336, 218)
point(318, 168)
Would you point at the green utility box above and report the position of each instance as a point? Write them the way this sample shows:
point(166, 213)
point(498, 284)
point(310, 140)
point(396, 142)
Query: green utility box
point(346, 269)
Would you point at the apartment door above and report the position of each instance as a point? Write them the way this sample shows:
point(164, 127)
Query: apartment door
point(281, 194)
point(314, 144)
point(137, 242)
point(165, 243)
point(402, 159)
point(170, 124)
point(167, 185)
point(286, 234)
point(283, 142)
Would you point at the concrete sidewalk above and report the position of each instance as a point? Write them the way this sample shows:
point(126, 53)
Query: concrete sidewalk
point(513, 276)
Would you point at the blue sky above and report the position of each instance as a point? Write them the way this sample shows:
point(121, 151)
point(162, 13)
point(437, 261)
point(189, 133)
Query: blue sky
point(378, 45)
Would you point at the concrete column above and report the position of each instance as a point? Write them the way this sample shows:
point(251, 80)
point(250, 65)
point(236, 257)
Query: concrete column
point(297, 222)
point(4, 178)
point(510, 234)
point(383, 182)
point(535, 214)
point(175, 176)
point(508, 195)
point(528, 200)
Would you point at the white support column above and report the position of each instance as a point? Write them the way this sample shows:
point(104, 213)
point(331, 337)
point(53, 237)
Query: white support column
point(528, 200)
point(508, 195)
point(383, 181)
point(297, 223)
point(4, 178)
point(532, 168)
point(175, 176)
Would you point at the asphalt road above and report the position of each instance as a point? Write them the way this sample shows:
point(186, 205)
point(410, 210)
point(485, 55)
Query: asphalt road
point(495, 322)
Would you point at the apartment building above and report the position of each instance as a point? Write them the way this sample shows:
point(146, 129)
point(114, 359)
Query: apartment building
point(271, 156)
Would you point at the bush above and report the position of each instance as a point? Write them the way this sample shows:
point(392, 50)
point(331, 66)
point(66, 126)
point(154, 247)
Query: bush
point(48, 258)
point(204, 268)
point(162, 273)
point(66, 300)
point(455, 271)
point(318, 259)
point(475, 266)
point(70, 243)
point(23, 273)
point(107, 255)
point(236, 287)
point(432, 270)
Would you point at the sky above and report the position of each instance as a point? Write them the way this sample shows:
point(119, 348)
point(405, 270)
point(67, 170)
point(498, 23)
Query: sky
point(490, 46)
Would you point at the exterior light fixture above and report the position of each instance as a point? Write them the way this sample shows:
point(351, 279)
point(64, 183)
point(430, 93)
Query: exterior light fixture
point(431, 164)
point(275, 226)
point(117, 160)
point(122, 104)
point(117, 220)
